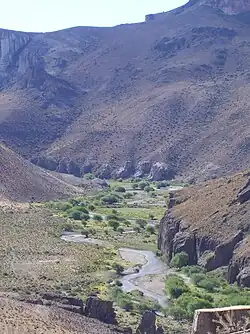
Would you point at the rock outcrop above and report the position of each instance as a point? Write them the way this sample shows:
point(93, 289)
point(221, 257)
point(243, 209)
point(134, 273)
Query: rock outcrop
point(143, 169)
point(101, 310)
point(161, 171)
point(126, 171)
point(148, 324)
point(230, 7)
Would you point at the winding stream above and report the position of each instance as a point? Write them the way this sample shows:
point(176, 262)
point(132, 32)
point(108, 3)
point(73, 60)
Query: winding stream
point(147, 280)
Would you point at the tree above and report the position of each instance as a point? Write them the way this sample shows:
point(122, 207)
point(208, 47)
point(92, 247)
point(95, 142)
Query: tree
point(120, 190)
point(180, 260)
point(114, 224)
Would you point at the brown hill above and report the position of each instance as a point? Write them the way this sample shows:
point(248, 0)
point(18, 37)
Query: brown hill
point(173, 90)
point(20, 180)
point(210, 222)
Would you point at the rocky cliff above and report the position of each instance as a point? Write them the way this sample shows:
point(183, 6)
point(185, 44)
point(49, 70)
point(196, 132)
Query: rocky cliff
point(210, 222)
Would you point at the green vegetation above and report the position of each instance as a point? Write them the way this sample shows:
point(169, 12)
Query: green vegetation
point(203, 290)
point(179, 260)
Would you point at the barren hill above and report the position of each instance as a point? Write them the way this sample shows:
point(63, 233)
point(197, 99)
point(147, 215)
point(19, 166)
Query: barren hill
point(20, 180)
point(173, 90)
point(210, 222)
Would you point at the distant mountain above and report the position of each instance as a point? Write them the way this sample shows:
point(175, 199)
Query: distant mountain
point(169, 96)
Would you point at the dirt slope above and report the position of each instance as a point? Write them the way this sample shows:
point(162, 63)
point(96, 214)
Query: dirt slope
point(20, 180)
point(174, 89)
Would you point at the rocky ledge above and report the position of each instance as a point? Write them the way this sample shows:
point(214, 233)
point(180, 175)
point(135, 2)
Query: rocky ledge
point(210, 222)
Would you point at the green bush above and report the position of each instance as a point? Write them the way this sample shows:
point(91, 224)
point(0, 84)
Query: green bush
point(91, 207)
point(175, 286)
point(162, 184)
point(143, 184)
point(69, 227)
point(97, 218)
point(119, 269)
point(141, 222)
point(85, 232)
point(120, 230)
point(127, 195)
point(82, 209)
point(114, 224)
point(150, 229)
point(148, 189)
point(180, 260)
point(112, 217)
point(85, 217)
point(89, 176)
point(135, 186)
point(63, 206)
point(190, 270)
point(120, 190)
point(76, 215)
point(110, 199)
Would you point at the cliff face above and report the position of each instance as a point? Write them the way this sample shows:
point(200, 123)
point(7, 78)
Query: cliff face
point(210, 222)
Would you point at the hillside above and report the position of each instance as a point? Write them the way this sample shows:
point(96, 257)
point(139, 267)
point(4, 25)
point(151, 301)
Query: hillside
point(21, 181)
point(172, 90)
point(210, 222)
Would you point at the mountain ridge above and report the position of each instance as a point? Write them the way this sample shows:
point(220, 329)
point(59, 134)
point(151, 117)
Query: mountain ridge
point(121, 101)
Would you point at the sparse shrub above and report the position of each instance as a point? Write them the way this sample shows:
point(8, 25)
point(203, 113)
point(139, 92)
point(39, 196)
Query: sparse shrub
point(68, 227)
point(151, 216)
point(114, 224)
point(143, 184)
point(141, 222)
point(135, 186)
point(120, 230)
point(150, 229)
point(110, 199)
point(118, 283)
point(82, 209)
point(98, 218)
point(162, 184)
point(120, 190)
point(175, 286)
point(63, 206)
point(85, 217)
point(148, 189)
point(89, 176)
point(137, 229)
point(106, 231)
point(119, 269)
point(114, 211)
point(76, 215)
point(128, 195)
point(92, 231)
point(85, 232)
point(180, 260)
point(91, 207)
point(112, 217)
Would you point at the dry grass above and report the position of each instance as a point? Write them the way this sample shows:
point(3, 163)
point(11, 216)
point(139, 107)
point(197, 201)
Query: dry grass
point(33, 258)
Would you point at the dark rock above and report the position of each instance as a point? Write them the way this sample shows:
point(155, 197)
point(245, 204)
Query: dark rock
point(104, 172)
point(126, 171)
point(233, 271)
point(74, 169)
point(243, 278)
point(101, 310)
point(223, 253)
point(62, 167)
point(46, 163)
point(159, 330)
point(186, 242)
point(244, 193)
point(142, 169)
point(161, 171)
point(147, 325)
point(171, 202)
point(169, 226)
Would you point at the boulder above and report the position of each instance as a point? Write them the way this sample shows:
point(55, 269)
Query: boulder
point(101, 310)
point(244, 193)
point(186, 242)
point(142, 169)
point(126, 171)
point(148, 324)
point(243, 278)
point(161, 171)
